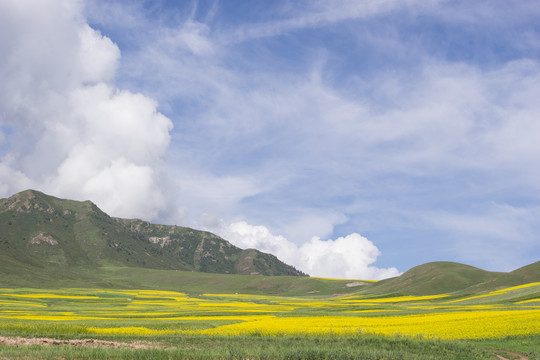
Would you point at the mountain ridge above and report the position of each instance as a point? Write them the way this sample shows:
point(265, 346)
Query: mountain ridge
point(41, 231)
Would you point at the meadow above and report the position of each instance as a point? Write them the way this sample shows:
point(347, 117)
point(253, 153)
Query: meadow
point(149, 324)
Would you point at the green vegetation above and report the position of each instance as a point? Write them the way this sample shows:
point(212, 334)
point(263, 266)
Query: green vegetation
point(44, 236)
point(255, 347)
point(122, 277)
point(529, 272)
point(447, 277)
point(199, 283)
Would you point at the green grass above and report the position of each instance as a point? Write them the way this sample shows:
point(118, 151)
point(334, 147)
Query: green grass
point(446, 277)
point(193, 283)
point(254, 347)
point(526, 345)
point(529, 272)
point(197, 283)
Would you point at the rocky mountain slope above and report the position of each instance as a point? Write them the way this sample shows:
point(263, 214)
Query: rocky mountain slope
point(39, 232)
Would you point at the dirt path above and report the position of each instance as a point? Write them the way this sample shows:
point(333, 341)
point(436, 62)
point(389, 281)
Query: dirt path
point(18, 341)
point(515, 356)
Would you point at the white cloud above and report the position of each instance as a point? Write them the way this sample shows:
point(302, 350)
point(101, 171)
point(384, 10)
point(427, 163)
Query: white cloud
point(314, 14)
point(316, 222)
point(98, 56)
point(191, 36)
point(113, 187)
point(499, 235)
point(211, 196)
point(11, 179)
point(349, 257)
point(72, 133)
point(120, 123)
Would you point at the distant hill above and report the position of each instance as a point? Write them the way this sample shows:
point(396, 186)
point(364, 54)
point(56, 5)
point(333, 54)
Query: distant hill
point(43, 236)
point(449, 277)
point(529, 272)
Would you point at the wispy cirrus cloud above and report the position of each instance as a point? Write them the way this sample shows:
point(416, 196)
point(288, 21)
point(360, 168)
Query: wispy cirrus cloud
point(288, 17)
point(434, 121)
point(499, 234)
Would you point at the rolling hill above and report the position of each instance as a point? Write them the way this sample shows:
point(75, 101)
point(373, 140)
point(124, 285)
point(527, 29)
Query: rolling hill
point(450, 277)
point(529, 272)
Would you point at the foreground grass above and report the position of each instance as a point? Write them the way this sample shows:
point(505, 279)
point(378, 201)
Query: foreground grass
point(255, 347)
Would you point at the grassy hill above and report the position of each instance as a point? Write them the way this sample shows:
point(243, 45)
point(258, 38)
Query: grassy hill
point(529, 272)
point(43, 237)
point(449, 277)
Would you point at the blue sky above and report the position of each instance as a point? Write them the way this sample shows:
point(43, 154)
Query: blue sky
point(349, 138)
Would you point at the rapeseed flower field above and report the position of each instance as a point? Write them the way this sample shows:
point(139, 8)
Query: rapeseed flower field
point(168, 313)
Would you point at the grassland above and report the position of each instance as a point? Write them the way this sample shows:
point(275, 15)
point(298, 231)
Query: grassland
point(76, 283)
point(145, 324)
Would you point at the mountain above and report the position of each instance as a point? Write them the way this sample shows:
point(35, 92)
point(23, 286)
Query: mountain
point(443, 277)
point(42, 234)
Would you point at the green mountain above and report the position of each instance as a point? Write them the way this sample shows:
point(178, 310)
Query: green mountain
point(45, 236)
point(449, 277)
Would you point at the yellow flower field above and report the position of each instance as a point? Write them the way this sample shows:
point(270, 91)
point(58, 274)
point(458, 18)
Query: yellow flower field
point(166, 313)
point(457, 325)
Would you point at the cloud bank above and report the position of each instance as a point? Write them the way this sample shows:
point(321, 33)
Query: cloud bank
point(349, 257)
point(67, 129)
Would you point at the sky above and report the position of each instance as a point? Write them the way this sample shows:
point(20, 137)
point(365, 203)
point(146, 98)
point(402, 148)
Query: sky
point(350, 138)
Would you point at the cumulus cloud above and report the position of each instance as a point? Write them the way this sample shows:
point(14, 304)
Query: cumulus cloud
point(349, 257)
point(67, 129)
point(98, 56)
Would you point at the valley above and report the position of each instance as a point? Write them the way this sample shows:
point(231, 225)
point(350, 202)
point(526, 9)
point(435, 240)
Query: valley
point(77, 283)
